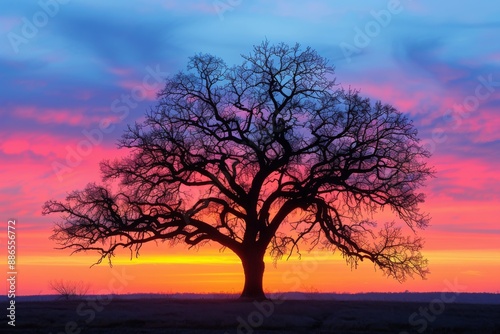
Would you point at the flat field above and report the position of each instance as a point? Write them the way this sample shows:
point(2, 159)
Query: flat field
point(173, 315)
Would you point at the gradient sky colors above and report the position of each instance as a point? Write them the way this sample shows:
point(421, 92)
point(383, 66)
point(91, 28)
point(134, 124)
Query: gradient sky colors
point(74, 73)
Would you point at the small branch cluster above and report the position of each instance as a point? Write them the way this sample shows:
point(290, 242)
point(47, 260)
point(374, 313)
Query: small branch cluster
point(69, 290)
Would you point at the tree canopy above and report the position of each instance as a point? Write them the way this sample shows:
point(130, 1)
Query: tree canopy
point(259, 157)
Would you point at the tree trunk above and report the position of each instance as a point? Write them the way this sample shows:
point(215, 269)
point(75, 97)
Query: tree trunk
point(253, 267)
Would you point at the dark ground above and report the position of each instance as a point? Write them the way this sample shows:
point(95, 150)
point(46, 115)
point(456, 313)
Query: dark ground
point(230, 316)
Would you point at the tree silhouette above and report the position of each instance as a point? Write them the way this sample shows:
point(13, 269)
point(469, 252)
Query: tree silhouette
point(260, 157)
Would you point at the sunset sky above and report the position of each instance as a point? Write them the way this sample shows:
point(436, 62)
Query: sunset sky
point(68, 69)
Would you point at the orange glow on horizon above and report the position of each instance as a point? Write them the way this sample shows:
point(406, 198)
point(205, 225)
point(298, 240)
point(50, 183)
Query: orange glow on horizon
point(209, 271)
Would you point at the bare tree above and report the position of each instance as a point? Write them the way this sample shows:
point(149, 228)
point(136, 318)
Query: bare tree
point(68, 289)
point(260, 157)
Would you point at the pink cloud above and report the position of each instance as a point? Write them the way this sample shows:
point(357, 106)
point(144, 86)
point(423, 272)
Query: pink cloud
point(409, 95)
point(27, 181)
point(138, 90)
point(74, 116)
point(447, 106)
point(61, 116)
point(446, 73)
point(120, 71)
point(51, 148)
point(468, 179)
point(482, 124)
point(39, 144)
